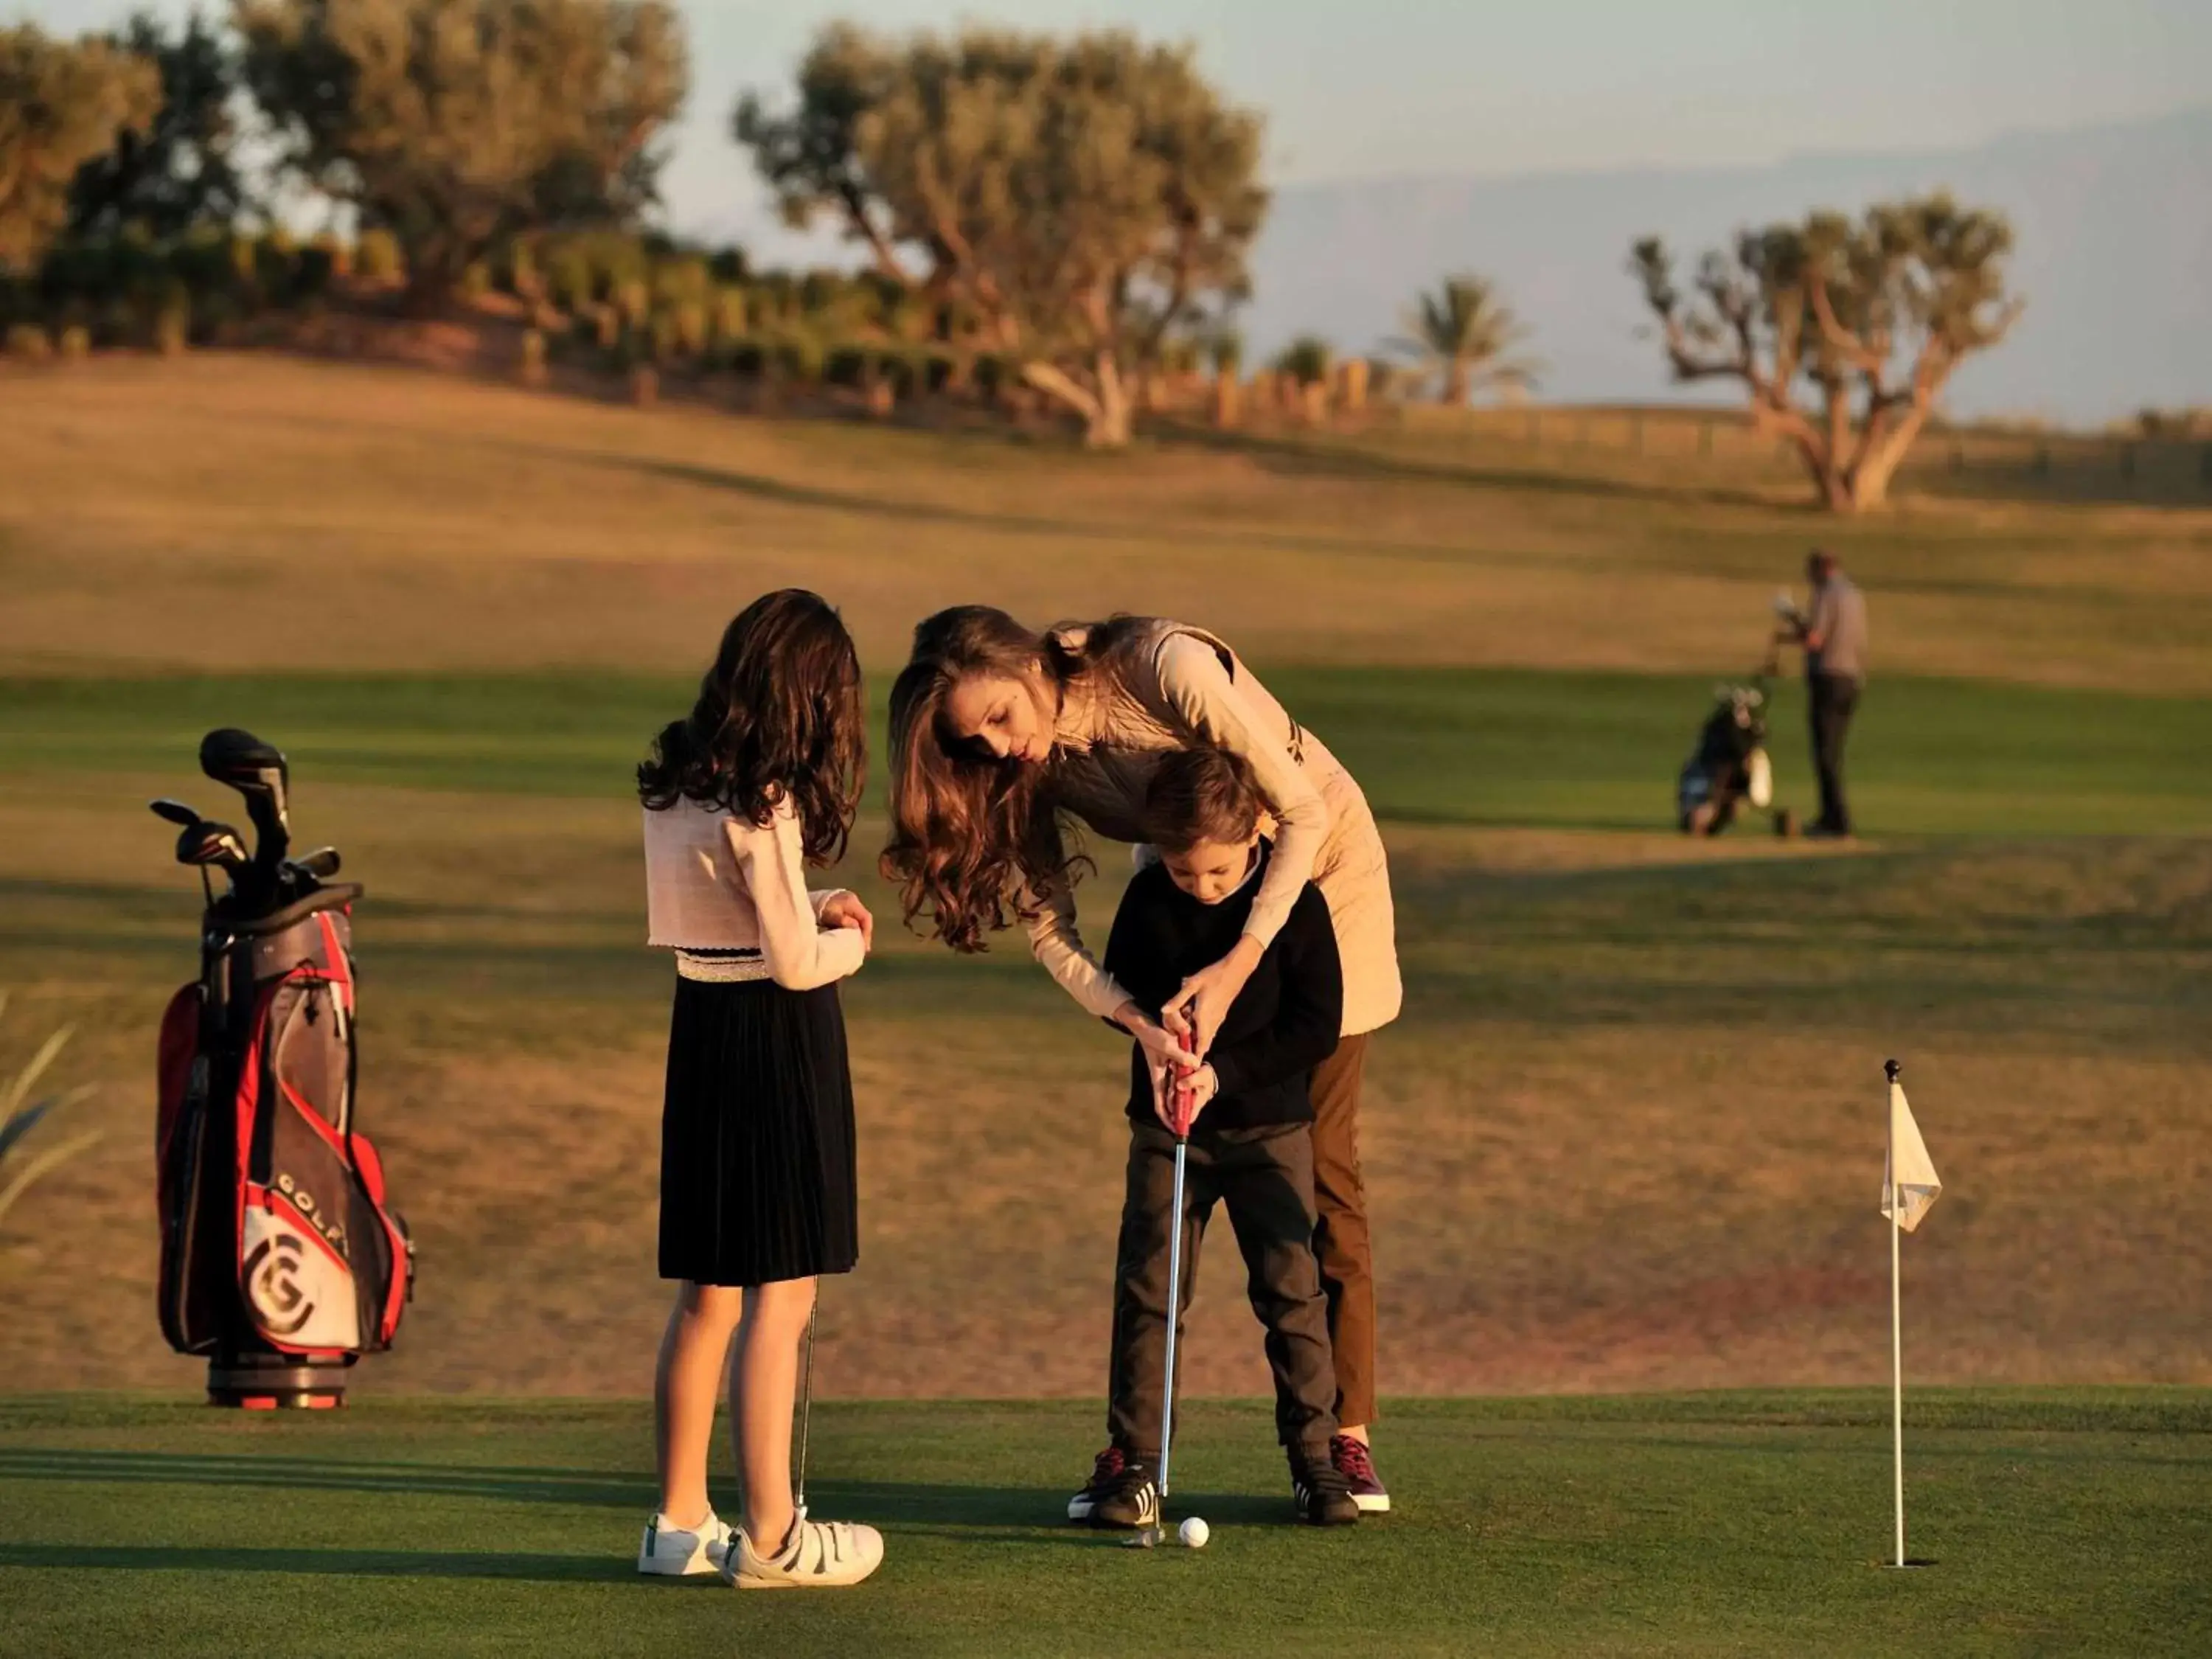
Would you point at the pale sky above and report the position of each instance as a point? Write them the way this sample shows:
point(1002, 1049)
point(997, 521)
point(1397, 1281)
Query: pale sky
point(1359, 87)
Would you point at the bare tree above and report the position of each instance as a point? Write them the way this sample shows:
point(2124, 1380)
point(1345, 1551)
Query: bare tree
point(1874, 316)
point(62, 103)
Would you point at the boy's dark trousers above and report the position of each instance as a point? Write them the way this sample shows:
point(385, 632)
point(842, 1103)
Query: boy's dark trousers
point(1265, 1177)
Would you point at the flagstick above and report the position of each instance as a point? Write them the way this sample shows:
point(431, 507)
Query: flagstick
point(1896, 1327)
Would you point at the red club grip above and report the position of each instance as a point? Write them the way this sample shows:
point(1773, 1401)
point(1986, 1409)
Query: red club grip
point(1183, 1102)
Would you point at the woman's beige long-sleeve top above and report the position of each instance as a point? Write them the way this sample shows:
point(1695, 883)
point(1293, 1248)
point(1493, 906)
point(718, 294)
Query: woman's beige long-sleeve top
point(1167, 687)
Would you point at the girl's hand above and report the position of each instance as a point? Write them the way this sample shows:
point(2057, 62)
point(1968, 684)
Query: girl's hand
point(1203, 1002)
point(846, 910)
point(1163, 1048)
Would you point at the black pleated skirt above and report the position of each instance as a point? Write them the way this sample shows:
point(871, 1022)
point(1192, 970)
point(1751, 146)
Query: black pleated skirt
point(757, 1181)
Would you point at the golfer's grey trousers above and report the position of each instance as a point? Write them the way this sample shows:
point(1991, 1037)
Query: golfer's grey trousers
point(1265, 1179)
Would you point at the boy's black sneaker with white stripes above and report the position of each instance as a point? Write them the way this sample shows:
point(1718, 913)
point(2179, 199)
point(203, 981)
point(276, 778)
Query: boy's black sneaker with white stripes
point(1104, 1473)
point(1322, 1494)
point(1131, 1499)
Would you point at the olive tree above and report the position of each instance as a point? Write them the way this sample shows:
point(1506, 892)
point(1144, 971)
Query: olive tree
point(1080, 197)
point(1870, 317)
point(62, 103)
point(181, 170)
point(458, 123)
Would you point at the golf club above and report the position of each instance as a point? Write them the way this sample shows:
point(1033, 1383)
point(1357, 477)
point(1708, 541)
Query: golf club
point(258, 772)
point(203, 843)
point(1180, 1108)
point(175, 811)
point(320, 865)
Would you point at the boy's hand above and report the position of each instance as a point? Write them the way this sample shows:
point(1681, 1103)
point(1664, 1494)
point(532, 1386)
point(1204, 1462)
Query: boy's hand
point(1196, 1089)
point(846, 910)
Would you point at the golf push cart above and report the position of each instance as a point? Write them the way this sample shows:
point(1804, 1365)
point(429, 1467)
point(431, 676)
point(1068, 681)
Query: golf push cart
point(280, 1260)
point(1730, 768)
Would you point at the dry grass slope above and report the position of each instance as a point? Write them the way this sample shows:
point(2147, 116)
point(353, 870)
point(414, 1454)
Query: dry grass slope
point(1627, 1135)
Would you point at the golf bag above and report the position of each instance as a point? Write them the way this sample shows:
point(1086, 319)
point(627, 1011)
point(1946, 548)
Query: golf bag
point(1729, 766)
point(281, 1259)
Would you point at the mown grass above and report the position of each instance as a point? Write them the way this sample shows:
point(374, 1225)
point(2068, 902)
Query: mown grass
point(2059, 1522)
point(1453, 746)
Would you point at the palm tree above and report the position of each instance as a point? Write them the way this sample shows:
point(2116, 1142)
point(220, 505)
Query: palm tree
point(1461, 333)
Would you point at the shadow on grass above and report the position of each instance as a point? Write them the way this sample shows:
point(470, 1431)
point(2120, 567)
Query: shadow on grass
point(1270, 539)
point(1024, 1515)
point(1324, 459)
point(904, 1505)
point(350, 1564)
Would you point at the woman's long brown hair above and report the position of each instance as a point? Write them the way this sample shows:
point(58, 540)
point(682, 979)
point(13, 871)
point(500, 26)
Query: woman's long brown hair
point(779, 717)
point(971, 835)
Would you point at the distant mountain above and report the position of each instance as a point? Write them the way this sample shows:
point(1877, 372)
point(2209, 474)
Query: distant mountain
point(2113, 227)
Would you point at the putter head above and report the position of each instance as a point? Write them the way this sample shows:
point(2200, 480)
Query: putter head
point(175, 811)
point(1144, 1537)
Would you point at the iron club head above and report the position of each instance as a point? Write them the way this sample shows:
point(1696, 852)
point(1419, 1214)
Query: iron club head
point(207, 843)
point(175, 811)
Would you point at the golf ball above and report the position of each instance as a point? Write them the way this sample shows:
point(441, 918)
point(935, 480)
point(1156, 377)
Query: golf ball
point(1195, 1532)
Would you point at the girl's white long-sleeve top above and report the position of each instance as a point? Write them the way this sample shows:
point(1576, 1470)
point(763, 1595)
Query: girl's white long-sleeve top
point(719, 884)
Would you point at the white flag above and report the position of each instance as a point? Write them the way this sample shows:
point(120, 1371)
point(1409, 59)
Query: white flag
point(1917, 1186)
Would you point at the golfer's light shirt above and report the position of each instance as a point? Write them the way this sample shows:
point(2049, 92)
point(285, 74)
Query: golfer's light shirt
point(1839, 618)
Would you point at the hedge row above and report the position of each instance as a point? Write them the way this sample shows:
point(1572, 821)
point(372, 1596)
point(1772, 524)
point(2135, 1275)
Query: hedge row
point(130, 291)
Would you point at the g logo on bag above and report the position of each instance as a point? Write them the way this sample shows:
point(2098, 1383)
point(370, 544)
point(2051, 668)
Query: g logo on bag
point(272, 1285)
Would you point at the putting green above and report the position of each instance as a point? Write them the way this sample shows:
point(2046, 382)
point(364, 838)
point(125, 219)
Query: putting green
point(2060, 1521)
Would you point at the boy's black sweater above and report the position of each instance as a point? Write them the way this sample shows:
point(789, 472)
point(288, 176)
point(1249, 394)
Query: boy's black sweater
point(1283, 1023)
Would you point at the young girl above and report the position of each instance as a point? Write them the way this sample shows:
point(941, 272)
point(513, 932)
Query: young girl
point(756, 1164)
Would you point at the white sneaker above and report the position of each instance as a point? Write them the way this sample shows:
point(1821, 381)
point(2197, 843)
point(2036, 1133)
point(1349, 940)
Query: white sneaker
point(818, 1555)
point(677, 1553)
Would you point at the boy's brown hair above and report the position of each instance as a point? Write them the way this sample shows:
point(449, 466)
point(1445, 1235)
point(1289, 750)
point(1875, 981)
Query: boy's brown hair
point(1200, 794)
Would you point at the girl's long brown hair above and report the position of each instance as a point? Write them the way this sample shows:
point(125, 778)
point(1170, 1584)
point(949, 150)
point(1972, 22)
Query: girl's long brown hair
point(779, 717)
point(970, 834)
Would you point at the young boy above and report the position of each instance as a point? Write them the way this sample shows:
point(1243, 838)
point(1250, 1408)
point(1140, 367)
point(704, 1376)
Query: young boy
point(1251, 1143)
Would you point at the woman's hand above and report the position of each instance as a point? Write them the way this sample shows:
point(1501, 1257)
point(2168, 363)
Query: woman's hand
point(846, 910)
point(1163, 1048)
point(1203, 1002)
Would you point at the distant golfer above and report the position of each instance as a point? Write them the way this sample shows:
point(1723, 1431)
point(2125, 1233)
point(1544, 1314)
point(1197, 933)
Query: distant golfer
point(757, 1190)
point(997, 730)
point(1834, 636)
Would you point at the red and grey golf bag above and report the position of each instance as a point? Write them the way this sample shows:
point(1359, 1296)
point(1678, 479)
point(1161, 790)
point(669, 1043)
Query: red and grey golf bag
point(281, 1260)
